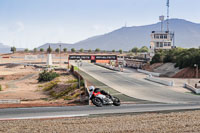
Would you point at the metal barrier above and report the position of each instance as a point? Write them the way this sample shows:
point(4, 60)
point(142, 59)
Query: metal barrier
point(87, 91)
point(76, 74)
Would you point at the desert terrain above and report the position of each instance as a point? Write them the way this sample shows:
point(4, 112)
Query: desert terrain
point(19, 81)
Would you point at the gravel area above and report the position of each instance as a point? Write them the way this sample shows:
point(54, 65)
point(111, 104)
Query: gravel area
point(176, 122)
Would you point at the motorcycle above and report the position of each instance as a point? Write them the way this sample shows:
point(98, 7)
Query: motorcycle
point(100, 97)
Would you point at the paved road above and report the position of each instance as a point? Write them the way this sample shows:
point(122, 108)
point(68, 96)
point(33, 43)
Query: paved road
point(71, 111)
point(113, 92)
point(138, 88)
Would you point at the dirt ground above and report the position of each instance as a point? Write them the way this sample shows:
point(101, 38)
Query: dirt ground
point(184, 73)
point(19, 82)
point(177, 122)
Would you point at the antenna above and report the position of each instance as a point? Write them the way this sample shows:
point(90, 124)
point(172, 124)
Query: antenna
point(167, 15)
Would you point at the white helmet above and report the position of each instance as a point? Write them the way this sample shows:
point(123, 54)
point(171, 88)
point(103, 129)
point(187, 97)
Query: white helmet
point(91, 88)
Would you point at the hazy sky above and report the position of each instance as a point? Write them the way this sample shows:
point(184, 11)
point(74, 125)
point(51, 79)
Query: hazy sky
point(30, 23)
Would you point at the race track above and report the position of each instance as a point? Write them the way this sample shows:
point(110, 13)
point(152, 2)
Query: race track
point(136, 87)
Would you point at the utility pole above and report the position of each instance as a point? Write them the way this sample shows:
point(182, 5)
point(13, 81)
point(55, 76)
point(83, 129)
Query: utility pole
point(197, 70)
point(197, 73)
point(60, 54)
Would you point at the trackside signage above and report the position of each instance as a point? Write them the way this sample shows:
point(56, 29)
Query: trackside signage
point(78, 57)
point(106, 57)
point(93, 57)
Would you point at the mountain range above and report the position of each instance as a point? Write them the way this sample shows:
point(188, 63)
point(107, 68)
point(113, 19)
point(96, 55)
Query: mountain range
point(187, 35)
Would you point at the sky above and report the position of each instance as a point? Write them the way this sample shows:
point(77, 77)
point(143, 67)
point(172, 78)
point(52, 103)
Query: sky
point(31, 23)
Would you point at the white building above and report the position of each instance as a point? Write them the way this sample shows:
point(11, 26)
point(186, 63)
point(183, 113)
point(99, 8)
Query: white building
point(161, 40)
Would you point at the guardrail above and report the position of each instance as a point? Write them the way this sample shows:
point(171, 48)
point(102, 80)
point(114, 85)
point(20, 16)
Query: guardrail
point(107, 66)
point(192, 88)
point(164, 82)
point(149, 73)
point(76, 74)
point(10, 101)
point(87, 91)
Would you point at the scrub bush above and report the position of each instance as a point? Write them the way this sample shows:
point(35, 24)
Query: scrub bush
point(47, 76)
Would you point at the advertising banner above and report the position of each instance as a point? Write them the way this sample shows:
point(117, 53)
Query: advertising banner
point(30, 57)
point(93, 57)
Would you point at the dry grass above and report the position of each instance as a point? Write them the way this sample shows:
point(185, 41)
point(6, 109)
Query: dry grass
point(63, 87)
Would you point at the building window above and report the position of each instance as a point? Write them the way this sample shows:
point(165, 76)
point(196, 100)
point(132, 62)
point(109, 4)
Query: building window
point(161, 36)
point(157, 44)
point(165, 44)
point(165, 36)
point(161, 44)
point(157, 36)
point(169, 44)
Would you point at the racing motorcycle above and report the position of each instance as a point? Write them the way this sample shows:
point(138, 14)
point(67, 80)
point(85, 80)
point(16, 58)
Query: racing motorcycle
point(100, 97)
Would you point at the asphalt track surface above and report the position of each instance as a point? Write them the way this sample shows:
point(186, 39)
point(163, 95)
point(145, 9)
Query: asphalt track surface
point(73, 111)
point(125, 83)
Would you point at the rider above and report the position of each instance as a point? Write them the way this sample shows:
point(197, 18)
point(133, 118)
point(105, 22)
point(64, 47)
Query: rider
point(96, 91)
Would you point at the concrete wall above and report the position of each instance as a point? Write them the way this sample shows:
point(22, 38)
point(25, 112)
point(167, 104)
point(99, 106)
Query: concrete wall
point(10, 101)
point(107, 66)
point(193, 89)
point(149, 73)
point(164, 82)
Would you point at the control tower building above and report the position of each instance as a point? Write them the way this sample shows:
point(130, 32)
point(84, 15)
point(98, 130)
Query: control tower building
point(162, 39)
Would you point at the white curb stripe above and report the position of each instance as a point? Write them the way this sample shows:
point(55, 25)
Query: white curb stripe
point(43, 117)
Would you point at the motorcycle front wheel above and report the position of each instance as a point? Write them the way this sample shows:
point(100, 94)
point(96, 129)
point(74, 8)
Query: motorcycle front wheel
point(116, 101)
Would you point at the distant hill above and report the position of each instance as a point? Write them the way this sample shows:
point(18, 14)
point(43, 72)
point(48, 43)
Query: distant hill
point(4, 48)
point(56, 45)
point(187, 34)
